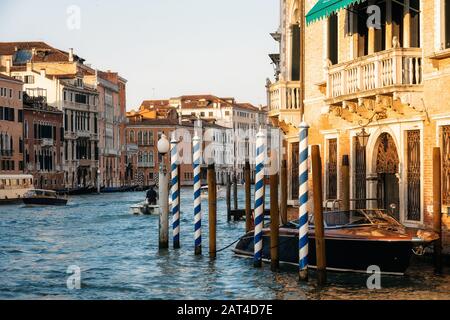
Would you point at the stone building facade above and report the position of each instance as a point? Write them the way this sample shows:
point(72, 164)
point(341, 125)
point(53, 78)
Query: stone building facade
point(111, 126)
point(343, 76)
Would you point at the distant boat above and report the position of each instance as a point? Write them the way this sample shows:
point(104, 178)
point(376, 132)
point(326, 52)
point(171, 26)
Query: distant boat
point(144, 208)
point(77, 191)
point(205, 192)
point(44, 198)
point(116, 189)
point(355, 240)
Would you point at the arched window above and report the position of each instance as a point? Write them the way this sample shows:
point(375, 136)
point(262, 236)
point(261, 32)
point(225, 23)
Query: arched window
point(132, 136)
point(140, 138)
point(145, 138)
point(151, 158)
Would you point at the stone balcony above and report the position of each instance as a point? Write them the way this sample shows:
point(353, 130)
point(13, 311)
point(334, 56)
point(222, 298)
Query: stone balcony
point(284, 95)
point(46, 143)
point(372, 84)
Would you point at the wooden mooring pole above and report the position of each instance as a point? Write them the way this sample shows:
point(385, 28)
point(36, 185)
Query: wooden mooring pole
point(437, 209)
point(212, 207)
point(345, 183)
point(284, 195)
point(318, 215)
point(248, 197)
point(274, 223)
point(228, 197)
point(235, 192)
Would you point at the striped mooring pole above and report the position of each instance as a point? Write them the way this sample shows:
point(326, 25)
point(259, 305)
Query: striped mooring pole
point(303, 199)
point(175, 193)
point(197, 195)
point(259, 198)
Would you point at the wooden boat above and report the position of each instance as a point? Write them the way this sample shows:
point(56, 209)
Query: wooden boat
point(44, 198)
point(355, 240)
point(144, 208)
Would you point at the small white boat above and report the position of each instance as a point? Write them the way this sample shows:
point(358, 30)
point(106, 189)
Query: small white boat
point(221, 192)
point(144, 208)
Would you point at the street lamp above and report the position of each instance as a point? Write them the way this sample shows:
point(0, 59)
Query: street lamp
point(363, 138)
point(163, 149)
point(163, 145)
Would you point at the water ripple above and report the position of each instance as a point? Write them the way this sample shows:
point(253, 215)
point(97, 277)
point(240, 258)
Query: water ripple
point(119, 259)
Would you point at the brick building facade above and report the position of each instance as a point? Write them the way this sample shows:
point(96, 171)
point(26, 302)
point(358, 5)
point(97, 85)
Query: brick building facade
point(44, 142)
point(11, 126)
point(341, 77)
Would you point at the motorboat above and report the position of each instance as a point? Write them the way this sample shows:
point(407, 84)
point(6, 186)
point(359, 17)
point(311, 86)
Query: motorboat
point(144, 208)
point(354, 240)
point(39, 197)
point(205, 192)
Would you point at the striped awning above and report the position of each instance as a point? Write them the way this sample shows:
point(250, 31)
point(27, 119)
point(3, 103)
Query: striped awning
point(324, 8)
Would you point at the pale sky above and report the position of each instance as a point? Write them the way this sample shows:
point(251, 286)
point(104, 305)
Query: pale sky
point(164, 48)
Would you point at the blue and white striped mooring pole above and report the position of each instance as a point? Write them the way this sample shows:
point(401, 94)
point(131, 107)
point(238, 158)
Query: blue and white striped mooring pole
point(303, 197)
point(175, 193)
point(259, 198)
point(197, 194)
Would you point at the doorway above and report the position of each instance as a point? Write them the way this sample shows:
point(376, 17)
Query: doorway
point(387, 166)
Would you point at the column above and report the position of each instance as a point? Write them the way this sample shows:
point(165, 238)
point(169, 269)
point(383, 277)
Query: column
point(406, 25)
point(389, 30)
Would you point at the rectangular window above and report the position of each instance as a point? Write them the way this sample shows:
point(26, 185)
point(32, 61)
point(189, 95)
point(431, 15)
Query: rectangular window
point(295, 53)
point(20, 116)
point(447, 23)
point(10, 93)
point(414, 184)
point(332, 170)
point(333, 38)
point(446, 165)
point(29, 79)
point(80, 98)
point(415, 23)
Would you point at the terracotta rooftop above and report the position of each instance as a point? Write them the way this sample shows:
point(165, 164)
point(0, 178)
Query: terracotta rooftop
point(44, 52)
point(5, 77)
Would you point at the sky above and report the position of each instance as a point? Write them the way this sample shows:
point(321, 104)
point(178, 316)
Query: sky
point(164, 48)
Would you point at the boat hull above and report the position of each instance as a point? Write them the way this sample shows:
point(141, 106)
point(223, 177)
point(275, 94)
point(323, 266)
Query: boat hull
point(347, 255)
point(44, 202)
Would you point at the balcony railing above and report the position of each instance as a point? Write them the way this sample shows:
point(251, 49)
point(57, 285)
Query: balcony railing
point(146, 164)
point(383, 70)
point(6, 153)
point(47, 142)
point(284, 95)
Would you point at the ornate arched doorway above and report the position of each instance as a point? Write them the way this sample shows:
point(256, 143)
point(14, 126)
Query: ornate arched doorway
point(387, 169)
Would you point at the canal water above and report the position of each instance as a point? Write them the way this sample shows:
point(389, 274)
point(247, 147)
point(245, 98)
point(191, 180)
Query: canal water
point(119, 259)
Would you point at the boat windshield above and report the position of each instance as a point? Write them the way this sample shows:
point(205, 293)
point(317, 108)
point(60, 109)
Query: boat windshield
point(351, 218)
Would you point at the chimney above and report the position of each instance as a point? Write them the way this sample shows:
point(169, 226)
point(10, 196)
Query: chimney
point(33, 52)
point(8, 67)
point(71, 55)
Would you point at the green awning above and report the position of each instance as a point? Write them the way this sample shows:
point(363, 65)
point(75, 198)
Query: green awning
point(324, 8)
